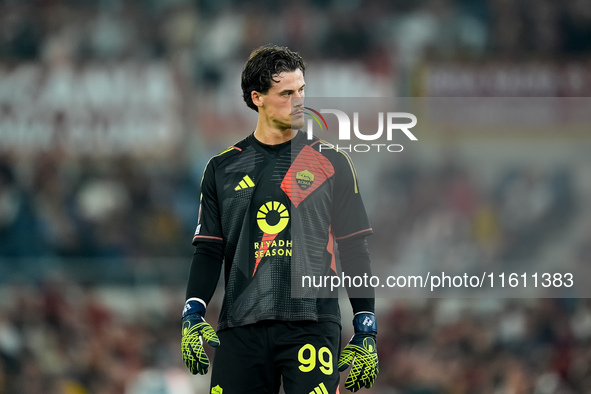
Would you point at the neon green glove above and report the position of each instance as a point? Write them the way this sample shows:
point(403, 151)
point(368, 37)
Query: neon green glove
point(195, 330)
point(361, 353)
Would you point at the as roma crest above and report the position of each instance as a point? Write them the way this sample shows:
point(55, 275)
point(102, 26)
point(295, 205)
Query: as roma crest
point(304, 179)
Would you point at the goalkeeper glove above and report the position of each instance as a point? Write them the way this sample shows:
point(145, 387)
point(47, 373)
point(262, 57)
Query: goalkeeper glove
point(361, 353)
point(195, 330)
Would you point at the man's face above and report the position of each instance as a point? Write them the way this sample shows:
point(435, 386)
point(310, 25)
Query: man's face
point(283, 104)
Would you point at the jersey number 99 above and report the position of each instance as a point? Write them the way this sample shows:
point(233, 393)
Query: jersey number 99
point(307, 358)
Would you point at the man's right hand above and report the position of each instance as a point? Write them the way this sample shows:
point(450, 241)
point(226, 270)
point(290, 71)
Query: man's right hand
point(195, 330)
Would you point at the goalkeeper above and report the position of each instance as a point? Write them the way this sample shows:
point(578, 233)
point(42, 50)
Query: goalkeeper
point(272, 208)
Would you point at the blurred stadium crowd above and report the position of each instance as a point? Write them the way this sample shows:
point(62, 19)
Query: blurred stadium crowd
point(210, 33)
point(77, 230)
point(85, 209)
point(59, 337)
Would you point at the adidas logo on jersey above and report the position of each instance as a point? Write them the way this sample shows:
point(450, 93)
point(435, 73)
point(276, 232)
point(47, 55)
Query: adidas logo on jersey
point(321, 389)
point(245, 183)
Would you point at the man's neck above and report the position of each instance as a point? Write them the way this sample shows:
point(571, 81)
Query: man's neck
point(270, 136)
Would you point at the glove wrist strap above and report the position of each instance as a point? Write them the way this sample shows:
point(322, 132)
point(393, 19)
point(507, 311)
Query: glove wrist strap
point(194, 305)
point(365, 322)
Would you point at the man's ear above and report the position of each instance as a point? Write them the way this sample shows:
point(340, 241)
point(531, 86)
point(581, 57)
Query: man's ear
point(257, 98)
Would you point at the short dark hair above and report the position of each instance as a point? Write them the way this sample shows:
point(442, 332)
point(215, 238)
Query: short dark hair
point(262, 65)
